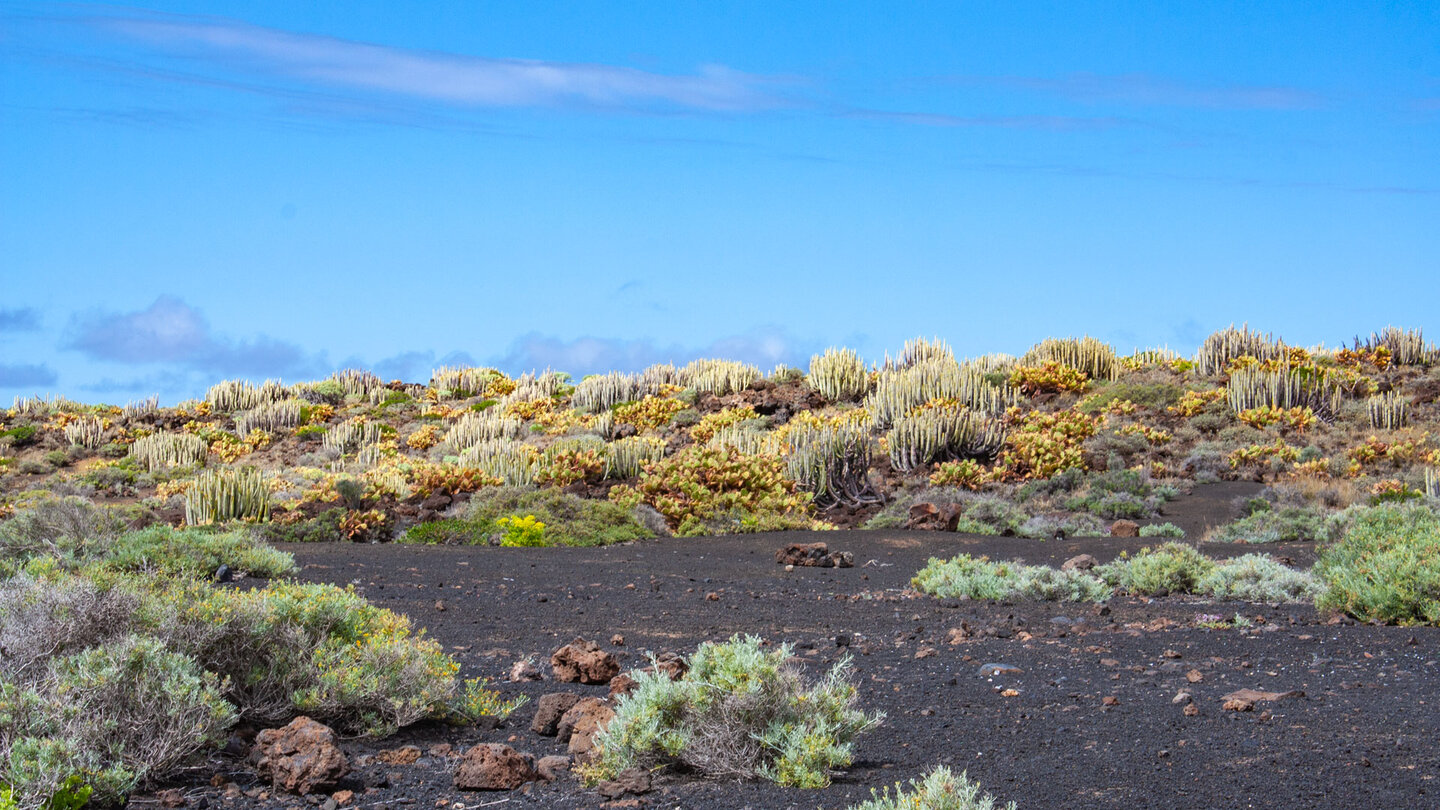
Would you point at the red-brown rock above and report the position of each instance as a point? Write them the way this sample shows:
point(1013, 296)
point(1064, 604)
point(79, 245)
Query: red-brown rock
point(494, 766)
point(1080, 562)
point(301, 757)
point(548, 711)
point(1124, 528)
point(586, 719)
point(942, 517)
point(583, 661)
point(816, 555)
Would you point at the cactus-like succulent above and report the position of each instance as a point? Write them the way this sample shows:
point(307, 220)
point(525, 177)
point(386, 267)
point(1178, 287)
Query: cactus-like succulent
point(1221, 348)
point(357, 382)
point(943, 434)
point(463, 383)
point(239, 395)
point(1284, 387)
point(897, 393)
point(718, 377)
point(626, 458)
point(1407, 347)
point(141, 407)
point(271, 417)
point(87, 432)
point(514, 463)
point(832, 463)
point(351, 435)
point(163, 450)
point(747, 440)
point(604, 391)
point(1096, 359)
point(919, 351)
point(1388, 411)
point(474, 428)
point(227, 494)
point(839, 375)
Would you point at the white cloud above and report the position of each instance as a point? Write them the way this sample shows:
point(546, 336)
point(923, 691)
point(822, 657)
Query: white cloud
point(764, 347)
point(171, 331)
point(450, 78)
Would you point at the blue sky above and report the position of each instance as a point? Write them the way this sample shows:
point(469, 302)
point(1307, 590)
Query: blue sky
point(197, 191)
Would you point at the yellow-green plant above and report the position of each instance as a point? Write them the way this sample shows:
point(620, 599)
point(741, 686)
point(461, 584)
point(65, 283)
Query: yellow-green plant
point(1050, 376)
point(712, 422)
point(1297, 418)
point(701, 483)
point(649, 413)
point(462, 383)
point(227, 494)
point(524, 531)
point(570, 460)
point(1040, 444)
point(966, 472)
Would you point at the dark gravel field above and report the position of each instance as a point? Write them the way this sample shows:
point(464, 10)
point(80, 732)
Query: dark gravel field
point(1094, 716)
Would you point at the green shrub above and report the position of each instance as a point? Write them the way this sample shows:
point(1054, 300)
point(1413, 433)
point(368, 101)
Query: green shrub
point(20, 436)
point(70, 527)
point(113, 715)
point(1285, 525)
point(195, 553)
point(967, 577)
point(1171, 568)
point(1169, 530)
point(1258, 578)
point(322, 528)
point(569, 519)
point(938, 790)
point(1158, 396)
point(1386, 566)
point(313, 649)
point(447, 532)
point(740, 711)
point(1044, 527)
point(1047, 584)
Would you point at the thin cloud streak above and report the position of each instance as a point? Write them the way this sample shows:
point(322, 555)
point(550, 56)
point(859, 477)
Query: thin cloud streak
point(1152, 91)
point(448, 78)
point(1050, 122)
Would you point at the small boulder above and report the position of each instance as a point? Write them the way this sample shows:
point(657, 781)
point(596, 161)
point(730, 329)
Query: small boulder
point(580, 725)
point(1080, 562)
point(814, 555)
point(622, 684)
point(404, 755)
point(552, 767)
point(942, 517)
point(634, 781)
point(525, 670)
point(494, 766)
point(584, 662)
point(300, 758)
point(548, 711)
point(1124, 528)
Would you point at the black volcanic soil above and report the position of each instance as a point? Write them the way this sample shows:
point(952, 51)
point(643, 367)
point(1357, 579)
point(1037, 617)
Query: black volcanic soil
point(1365, 732)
